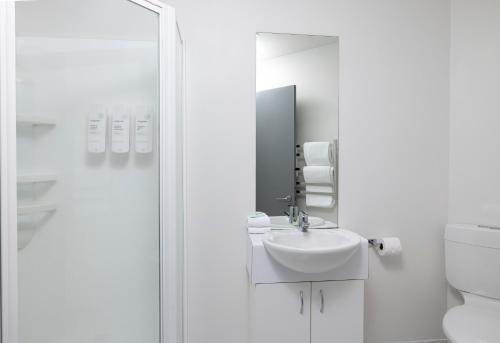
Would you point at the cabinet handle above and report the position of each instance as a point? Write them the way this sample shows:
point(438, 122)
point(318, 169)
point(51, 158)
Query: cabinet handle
point(322, 307)
point(301, 302)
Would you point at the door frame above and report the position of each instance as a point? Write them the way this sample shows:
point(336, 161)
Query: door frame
point(169, 292)
point(8, 176)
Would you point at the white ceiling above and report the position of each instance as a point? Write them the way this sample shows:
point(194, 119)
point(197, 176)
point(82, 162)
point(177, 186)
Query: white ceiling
point(272, 45)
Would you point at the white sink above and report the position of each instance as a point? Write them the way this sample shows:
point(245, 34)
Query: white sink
point(282, 222)
point(315, 251)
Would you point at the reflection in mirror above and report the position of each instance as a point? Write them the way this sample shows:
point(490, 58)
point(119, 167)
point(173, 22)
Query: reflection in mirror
point(297, 127)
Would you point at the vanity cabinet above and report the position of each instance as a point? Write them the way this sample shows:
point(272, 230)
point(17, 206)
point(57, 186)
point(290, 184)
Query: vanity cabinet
point(308, 312)
point(337, 312)
point(282, 312)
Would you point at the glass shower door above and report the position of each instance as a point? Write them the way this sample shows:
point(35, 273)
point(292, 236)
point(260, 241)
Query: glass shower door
point(88, 172)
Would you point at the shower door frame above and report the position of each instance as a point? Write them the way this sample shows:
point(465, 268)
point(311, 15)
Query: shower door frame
point(170, 320)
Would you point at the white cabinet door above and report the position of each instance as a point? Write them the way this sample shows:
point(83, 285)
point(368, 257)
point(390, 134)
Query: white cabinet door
point(337, 312)
point(282, 313)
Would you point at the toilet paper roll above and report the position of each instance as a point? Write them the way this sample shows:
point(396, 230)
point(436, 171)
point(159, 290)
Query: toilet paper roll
point(389, 246)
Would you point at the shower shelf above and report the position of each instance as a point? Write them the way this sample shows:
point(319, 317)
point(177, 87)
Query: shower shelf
point(36, 178)
point(25, 209)
point(35, 120)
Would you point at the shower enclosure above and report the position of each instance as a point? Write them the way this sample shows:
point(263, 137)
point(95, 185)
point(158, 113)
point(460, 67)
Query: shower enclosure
point(91, 161)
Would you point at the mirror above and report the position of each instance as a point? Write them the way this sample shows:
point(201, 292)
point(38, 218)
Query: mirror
point(297, 125)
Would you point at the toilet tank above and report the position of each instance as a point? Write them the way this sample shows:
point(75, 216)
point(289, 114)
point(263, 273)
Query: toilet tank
point(473, 259)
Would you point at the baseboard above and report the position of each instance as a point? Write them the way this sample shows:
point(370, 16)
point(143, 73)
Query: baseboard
point(424, 341)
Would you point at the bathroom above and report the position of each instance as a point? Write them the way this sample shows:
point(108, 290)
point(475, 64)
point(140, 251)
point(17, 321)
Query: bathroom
point(418, 121)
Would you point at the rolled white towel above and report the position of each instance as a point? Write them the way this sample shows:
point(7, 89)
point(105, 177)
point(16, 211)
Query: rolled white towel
point(320, 200)
point(318, 188)
point(258, 220)
point(318, 153)
point(318, 174)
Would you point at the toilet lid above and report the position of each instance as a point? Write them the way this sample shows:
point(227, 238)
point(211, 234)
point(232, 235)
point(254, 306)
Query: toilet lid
point(472, 324)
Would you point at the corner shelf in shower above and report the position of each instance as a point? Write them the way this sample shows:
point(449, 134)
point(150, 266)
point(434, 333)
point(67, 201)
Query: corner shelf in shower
point(33, 208)
point(35, 120)
point(36, 178)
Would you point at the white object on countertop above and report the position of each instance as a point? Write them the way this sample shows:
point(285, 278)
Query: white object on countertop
point(318, 153)
point(318, 174)
point(319, 200)
point(389, 246)
point(258, 220)
point(253, 230)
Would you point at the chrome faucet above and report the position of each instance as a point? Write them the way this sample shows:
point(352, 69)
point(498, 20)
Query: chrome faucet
point(293, 213)
point(303, 221)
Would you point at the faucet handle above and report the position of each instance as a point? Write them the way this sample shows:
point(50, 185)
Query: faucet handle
point(292, 213)
point(303, 221)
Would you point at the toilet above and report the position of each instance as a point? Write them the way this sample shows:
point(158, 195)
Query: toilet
point(473, 267)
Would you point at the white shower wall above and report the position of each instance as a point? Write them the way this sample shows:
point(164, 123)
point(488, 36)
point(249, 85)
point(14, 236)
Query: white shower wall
point(91, 271)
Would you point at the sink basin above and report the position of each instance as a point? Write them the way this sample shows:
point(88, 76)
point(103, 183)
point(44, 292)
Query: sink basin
point(282, 222)
point(315, 251)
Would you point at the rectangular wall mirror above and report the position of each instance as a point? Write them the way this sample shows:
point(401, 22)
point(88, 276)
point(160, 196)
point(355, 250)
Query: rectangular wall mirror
point(297, 127)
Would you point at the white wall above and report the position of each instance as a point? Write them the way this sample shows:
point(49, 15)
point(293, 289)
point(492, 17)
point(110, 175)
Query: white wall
point(474, 115)
point(475, 112)
point(315, 72)
point(393, 152)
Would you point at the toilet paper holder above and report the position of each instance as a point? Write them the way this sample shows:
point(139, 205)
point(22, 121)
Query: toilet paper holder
point(376, 243)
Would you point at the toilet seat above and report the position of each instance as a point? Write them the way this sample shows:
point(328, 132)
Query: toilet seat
point(473, 323)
